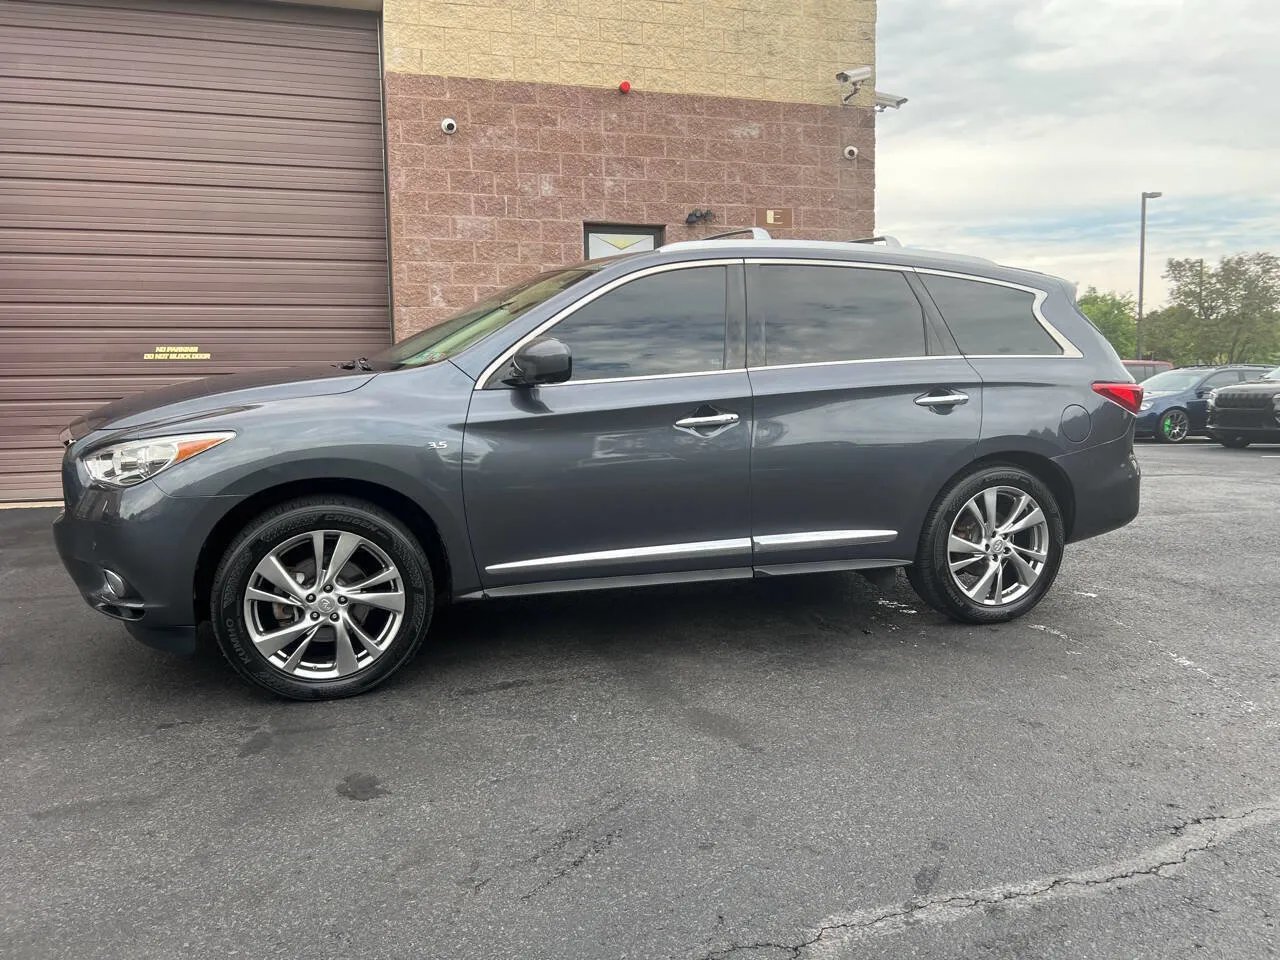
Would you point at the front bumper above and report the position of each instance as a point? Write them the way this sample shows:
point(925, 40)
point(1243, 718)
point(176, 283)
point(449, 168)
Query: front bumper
point(1259, 425)
point(133, 553)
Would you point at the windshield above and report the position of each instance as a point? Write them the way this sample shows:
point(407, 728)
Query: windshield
point(1273, 375)
point(446, 339)
point(1173, 380)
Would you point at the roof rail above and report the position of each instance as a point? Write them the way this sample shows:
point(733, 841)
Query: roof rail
point(757, 233)
point(886, 240)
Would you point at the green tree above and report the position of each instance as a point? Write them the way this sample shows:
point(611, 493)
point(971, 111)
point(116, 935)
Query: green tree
point(1169, 334)
point(1224, 314)
point(1113, 314)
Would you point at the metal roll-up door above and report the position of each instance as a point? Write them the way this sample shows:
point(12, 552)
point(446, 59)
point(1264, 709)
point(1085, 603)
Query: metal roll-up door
point(187, 187)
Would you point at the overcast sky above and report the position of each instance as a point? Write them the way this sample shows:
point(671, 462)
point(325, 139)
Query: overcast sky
point(1034, 125)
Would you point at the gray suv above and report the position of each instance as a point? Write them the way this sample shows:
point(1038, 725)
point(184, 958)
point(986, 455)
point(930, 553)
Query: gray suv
point(712, 410)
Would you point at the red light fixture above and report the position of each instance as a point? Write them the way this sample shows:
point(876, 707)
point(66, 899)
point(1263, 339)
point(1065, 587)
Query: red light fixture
point(624, 86)
point(1127, 395)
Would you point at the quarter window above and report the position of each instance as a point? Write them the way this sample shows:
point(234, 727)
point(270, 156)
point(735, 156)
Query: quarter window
point(667, 323)
point(988, 319)
point(814, 314)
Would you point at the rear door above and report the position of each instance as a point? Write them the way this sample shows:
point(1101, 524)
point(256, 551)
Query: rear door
point(639, 465)
point(862, 410)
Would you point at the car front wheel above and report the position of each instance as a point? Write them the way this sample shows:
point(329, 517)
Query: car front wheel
point(991, 546)
point(322, 597)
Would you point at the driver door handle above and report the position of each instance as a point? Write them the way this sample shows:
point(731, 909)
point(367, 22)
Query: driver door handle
point(713, 420)
point(951, 398)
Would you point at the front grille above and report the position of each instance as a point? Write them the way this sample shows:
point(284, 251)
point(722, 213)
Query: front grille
point(1244, 399)
point(1240, 418)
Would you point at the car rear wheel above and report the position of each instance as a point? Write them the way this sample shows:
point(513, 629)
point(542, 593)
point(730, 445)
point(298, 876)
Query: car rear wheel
point(991, 546)
point(322, 597)
point(1234, 443)
point(1174, 426)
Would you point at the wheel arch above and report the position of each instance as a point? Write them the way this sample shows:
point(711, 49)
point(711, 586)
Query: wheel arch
point(1039, 466)
point(404, 508)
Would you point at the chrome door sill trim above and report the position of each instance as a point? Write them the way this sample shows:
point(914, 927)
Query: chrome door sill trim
point(611, 583)
point(826, 566)
point(660, 551)
point(808, 538)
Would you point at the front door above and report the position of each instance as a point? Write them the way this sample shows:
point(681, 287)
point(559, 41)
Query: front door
point(862, 410)
point(638, 466)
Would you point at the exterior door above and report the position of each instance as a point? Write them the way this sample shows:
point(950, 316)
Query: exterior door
point(862, 410)
point(639, 464)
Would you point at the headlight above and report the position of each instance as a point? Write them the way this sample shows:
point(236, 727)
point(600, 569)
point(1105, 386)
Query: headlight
point(1213, 394)
point(124, 464)
point(1145, 405)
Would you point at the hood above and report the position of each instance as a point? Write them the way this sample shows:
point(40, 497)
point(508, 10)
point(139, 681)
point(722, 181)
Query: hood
point(1157, 394)
point(219, 394)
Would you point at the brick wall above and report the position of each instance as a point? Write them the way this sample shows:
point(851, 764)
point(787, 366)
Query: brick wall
point(507, 195)
point(785, 50)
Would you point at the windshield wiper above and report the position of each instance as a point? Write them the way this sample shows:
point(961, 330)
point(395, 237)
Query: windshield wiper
point(361, 362)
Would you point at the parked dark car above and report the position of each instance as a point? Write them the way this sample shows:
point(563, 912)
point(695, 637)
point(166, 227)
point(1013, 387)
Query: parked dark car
point(1143, 370)
point(1176, 403)
point(712, 410)
point(1246, 413)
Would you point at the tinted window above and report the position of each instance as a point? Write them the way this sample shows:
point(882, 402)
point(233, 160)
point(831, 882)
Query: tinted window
point(670, 322)
point(990, 319)
point(1222, 379)
point(814, 314)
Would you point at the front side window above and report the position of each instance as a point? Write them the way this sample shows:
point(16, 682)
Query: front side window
point(814, 314)
point(666, 323)
point(1223, 379)
point(989, 320)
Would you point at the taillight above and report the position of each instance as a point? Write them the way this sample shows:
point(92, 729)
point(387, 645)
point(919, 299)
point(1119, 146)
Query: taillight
point(1127, 395)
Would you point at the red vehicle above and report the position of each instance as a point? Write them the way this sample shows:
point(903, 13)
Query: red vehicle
point(1142, 369)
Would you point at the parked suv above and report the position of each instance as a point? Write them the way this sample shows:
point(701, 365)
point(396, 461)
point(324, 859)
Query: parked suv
point(712, 410)
point(1246, 413)
point(1176, 403)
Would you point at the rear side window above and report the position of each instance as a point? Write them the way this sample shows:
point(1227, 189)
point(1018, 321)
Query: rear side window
point(814, 314)
point(668, 323)
point(989, 319)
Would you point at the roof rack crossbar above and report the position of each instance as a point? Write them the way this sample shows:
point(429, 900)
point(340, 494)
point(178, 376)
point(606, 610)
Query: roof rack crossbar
point(887, 240)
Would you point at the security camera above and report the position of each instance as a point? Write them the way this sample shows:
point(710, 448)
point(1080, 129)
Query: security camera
point(449, 125)
point(851, 153)
point(887, 101)
point(854, 75)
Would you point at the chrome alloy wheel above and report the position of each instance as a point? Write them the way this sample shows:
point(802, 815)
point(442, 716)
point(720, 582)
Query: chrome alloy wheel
point(1175, 425)
point(324, 605)
point(998, 546)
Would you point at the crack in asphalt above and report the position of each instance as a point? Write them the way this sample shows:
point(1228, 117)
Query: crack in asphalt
point(1189, 838)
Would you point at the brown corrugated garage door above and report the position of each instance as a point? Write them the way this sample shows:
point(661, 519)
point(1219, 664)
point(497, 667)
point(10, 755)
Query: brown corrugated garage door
point(179, 173)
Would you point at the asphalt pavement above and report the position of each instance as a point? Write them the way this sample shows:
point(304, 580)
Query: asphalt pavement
point(802, 767)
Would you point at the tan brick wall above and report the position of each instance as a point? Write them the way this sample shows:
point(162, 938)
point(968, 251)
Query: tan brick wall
point(786, 50)
point(508, 194)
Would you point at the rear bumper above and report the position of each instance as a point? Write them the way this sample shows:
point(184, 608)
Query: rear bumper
point(1107, 483)
point(133, 553)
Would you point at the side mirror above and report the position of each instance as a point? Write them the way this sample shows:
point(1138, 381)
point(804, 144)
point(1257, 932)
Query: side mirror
point(544, 360)
point(1202, 394)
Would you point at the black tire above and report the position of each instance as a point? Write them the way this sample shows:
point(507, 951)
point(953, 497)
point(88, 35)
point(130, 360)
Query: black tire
point(931, 575)
point(1174, 426)
point(1234, 443)
point(295, 519)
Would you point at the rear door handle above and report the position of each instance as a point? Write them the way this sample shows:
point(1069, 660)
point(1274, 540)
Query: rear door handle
point(951, 398)
point(713, 420)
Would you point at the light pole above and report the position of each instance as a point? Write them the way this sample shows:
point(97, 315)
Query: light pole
point(1142, 264)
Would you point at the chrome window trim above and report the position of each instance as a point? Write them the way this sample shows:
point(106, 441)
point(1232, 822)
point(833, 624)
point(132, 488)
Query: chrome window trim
point(659, 551)
point(482, 382)
point(1069, 350)
point(815, 537)
point(841, 363)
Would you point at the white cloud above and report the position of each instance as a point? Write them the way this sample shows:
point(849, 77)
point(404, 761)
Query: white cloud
point(1034, 125)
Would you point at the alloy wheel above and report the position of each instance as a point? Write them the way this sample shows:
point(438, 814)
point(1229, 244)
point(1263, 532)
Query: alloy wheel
point(998, 545)
point(324, 605)
point(1175, 426)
